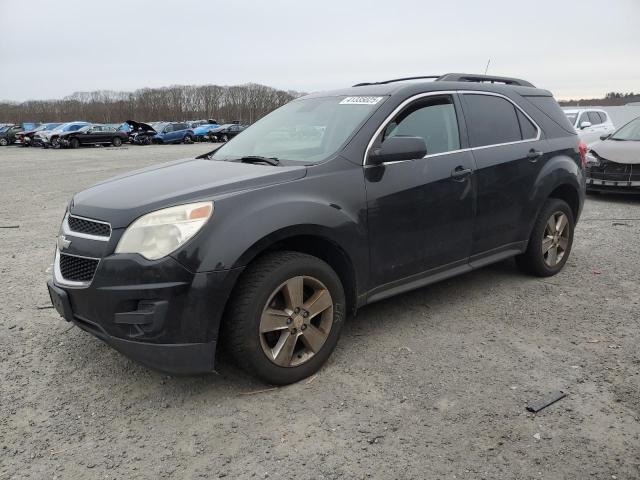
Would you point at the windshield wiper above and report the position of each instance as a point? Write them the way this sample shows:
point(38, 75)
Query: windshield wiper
point(257, 159)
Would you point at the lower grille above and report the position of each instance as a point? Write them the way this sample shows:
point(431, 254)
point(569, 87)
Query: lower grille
point(615, 172)
point(77, 269)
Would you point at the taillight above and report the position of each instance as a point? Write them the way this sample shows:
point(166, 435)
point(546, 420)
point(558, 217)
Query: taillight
point(582, 148)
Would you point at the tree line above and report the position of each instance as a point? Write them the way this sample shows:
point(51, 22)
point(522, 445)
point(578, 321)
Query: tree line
point(611, 99)
point(243, 103)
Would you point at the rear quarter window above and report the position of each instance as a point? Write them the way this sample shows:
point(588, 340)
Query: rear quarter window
point(549, 106)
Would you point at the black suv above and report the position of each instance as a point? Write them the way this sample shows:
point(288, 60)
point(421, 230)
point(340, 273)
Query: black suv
point(266, 244)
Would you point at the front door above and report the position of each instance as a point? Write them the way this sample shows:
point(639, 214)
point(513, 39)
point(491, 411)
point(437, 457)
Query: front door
point(421, 211)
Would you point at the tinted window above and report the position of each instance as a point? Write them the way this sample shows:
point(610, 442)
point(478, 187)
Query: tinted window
point(527, 128)
point(168, 128)
point(433, 119)
point(550, 108)
point(491, 120)
point(594, 118)
point(603, 116)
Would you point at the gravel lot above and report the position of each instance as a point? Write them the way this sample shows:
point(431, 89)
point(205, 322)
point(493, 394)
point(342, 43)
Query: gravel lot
point(430, 384)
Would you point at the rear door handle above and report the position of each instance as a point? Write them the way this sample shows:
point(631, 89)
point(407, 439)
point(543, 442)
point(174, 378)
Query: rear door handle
point(460, 173)
point(534, 155)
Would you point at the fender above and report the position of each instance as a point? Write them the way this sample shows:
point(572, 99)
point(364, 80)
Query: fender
point(245, 223)
point(560, 170)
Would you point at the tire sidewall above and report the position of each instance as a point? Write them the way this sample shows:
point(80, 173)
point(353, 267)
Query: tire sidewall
point(552, 206)
point(302, 266)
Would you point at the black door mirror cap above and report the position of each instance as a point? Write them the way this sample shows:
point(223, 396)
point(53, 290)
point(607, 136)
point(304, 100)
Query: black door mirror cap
point(398, 148)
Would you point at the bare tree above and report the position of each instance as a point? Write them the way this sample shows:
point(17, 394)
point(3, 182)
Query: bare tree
point(243, 103)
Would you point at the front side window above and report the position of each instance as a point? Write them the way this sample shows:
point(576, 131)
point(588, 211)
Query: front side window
point(491, 120)
point(431, 118)
point(594, 118)
point(571, 117)
point(309, 130)
point(583, 118)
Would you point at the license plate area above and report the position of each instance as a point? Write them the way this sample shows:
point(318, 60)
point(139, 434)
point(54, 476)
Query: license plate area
point(60, 301)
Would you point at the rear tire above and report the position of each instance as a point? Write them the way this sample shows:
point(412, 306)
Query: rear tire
point(551, 240)
point(4, 142)
point(116, 141)
point(276, 286)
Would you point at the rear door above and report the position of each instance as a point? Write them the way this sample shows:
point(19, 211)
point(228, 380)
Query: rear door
point(509, 153)
point(420, 211)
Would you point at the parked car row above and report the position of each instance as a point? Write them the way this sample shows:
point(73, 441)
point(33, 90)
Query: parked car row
point(78, 133)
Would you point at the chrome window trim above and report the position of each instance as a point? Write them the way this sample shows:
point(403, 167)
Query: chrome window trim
point(399, 108)
point(66, 229)
point(60, 280)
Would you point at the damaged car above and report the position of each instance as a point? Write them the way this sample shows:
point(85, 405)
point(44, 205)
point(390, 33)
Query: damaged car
point(26, 137)
point(139, 133)
point(613, 164)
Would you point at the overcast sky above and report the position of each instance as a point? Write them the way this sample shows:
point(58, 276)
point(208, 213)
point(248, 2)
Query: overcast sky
point(575, 48)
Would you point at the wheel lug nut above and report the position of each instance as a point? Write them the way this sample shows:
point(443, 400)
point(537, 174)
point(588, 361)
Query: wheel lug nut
point(293, 330)
point(303, 327)
point(289, 320)
point(296, 310)
point(305, 314)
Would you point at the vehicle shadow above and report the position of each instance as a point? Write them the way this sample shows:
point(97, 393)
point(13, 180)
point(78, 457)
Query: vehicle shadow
point(623, 198)
point(372, 320)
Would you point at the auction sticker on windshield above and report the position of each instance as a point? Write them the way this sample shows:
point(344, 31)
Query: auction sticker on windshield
point(361, 100)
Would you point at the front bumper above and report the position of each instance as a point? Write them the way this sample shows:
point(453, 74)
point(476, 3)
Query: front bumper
point(155, 312)
point(619, 186)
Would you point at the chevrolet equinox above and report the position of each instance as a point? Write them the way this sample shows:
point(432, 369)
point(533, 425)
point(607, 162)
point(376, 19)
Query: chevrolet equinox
point(331, 202)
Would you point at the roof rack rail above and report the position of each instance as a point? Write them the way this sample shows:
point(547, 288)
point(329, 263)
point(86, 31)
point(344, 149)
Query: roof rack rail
point(422, 77)
point(456, 77)
point(470, 77)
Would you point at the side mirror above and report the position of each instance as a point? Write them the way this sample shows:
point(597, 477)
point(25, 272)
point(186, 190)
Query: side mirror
point(605, 136)
point(585, 124)
point(395, 149)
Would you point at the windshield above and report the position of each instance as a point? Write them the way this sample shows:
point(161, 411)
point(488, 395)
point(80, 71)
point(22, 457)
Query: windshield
point(307, 130)
point(631, 131)
point(571, 117)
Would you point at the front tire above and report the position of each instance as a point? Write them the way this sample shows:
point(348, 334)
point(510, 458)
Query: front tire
point(4, 142)
point(551, 240)
point(285, 317)
point(74, 143)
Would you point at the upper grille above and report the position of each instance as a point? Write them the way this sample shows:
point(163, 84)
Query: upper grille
point(89, 227)
point(77, 269)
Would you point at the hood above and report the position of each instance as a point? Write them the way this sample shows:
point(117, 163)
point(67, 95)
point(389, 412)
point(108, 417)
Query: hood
point(122, 199)
point(139, 126)
point(204, 129)
point(618, 151)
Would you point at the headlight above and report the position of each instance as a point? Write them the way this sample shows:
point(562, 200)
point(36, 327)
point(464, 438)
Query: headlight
point(157, 234)
point(592, 159)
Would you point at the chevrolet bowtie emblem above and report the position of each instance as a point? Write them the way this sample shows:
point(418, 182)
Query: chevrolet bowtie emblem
point(63, 242)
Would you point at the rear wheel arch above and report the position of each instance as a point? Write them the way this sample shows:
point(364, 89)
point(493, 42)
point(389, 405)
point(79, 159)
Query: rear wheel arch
point(569, 194)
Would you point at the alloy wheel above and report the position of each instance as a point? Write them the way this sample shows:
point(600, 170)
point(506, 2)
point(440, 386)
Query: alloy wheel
point(555, 241)
point(296, 321)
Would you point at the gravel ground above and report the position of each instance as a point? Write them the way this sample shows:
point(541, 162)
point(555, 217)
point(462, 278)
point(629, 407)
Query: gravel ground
point(429, 384)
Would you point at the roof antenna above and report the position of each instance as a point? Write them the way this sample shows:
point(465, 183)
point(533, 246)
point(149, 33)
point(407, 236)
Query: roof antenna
point(487, 67)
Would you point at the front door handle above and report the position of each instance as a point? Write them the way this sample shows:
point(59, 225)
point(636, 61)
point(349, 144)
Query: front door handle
point(460, 173)
point(534, 155)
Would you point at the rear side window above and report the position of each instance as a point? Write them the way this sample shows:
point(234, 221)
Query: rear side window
point(491, 120)
point(432, 118)
point(594, 118)
point(603, 116)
